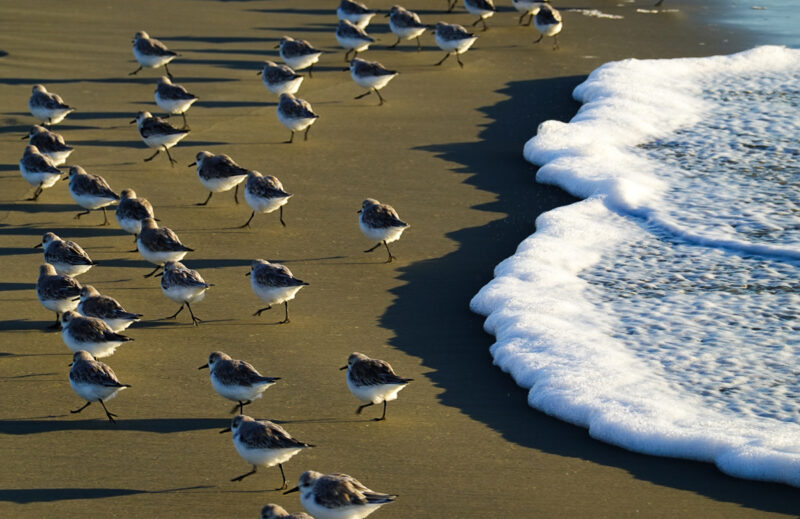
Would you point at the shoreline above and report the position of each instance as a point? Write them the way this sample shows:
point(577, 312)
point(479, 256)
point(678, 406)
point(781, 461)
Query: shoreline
point(445, 151)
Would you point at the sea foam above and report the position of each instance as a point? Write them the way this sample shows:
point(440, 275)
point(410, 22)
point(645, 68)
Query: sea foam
point(662, 312)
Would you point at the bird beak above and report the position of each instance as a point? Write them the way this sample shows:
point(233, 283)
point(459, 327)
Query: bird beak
point(295, 489)
point(247, 274)
point(278, 46)
point(204, 366)
point(70, 364)
point(259, 72)
point(359, 211)
point(343, 368)
point(223, 431)
point(159, 274)
point(387, 15)
point(37, 245)
point(26, 137)
point(133, 122)
point(192, 164)
point(65, 178)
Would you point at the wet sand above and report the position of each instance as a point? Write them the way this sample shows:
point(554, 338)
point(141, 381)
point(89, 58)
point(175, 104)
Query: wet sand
point(445, 151)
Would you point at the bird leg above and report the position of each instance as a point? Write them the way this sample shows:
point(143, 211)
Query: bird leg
point(240, 406)
point(105, 218)
point(540, 38)
point(442, 60)
point(258, 313)
point(151, 157)
point(207, 199)
point(239, 478)
point(173, 316)
point(185, 124)
point(82, 408)
point(305, 135)
point(361, 407)
point(56, 325)
point(368, 92)
point(280, 212)
point(236, 194)
point(309, 71)
point(291, 138)
point(383, 416)
point(195, 320)
point(419, 45)
point(135, 71)
point(395, 43)
point(172, 161)
point(169, 75)
point(247, 223)
point(36, 193)
point(390, 252)
point(555, 43)
point(346, 54)
point(373, 248)
point(283, 486)
point(108, 414)
point(78, 216)
point(286, 313)
point(379, 97)
point(458, 58)
point(530, 20)
point(153, 272)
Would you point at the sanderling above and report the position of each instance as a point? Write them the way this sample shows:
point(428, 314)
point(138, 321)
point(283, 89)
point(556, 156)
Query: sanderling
point(337, 496)
point(548, 22)
point(380, 222)
point(183, 285)
point(218, 173)
point(50, 144)
point(93, 304)
point(90, 192)
point(159, 245)
point(38, 170)
point(406, 25)
point(296, 114)
point(453, 38)
point(273, 283)
point(131, 211)
point(372, 381)
point(263, 444)
point(264, 194)
point(66, 256)
point(90, 334)
point(483, 9)
point(151, 53)
point(370, 75)
point(174, 99)
point(280, 79)
point(159, 134)
point(355, 12)
point(528, 8)
point(93, 381)
point(298, 54)
point(352, 38)
point(273, 511)
point(236, 380)
point(48, 107)
point(57, 292)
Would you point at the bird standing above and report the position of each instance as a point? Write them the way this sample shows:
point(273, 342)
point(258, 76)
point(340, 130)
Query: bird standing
point(38, 170)
point(548, 22)
point(159, 245)
point(66, 256)
point(49, 144)
point(57, 292)
point(453, 39)
point(370, 75)
point(337, 496)
point(296, 114)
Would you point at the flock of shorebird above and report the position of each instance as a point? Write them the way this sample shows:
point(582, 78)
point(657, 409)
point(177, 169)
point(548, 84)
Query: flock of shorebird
point(91, 323)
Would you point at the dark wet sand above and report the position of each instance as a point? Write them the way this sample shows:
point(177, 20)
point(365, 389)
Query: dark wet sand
point(445, 150)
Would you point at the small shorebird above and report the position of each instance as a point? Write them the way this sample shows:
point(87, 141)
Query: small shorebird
point(174, 99)
point(355, 12)
point(159, 245)
point(183, 285)
point(528, 8)
point(273, 511)
point(273, 283)
point(50, 144)
point(370, 75)
point(159, 134)
point(280, 79)
point(90, 192)
point(264, 194)
point(90, 334)
point(236, 380)
point(406, 25)
point(151, 53)
point(453, 39)
point(93, 304)
point(218, 173)
point(296, 114)
point(131, 211)
point(48, 107)
point(93, 381)
point(263, 444)
point(352, 38)
point(57, 292)
point(337, 496)
point(66, 256)
point(380, 222)
point(38, 170)
point(548, 22)
point(483, 9)
point(298, 54)
point(372, 381)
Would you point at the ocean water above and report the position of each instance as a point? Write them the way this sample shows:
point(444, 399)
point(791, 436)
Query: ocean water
point(663, 311)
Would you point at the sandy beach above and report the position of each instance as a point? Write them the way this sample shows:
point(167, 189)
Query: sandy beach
point(445, 150)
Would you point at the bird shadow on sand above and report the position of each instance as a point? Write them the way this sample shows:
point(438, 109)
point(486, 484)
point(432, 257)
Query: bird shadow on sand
point(45, 495)
point(123, 79)
point(152, 425)
point(23, 325)
point(458, 353)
